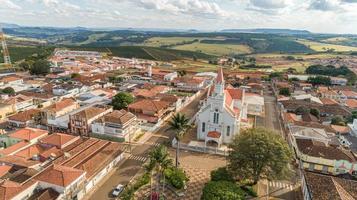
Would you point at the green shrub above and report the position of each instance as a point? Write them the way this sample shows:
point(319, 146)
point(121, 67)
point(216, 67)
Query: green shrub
point(128, 193)
point(221, 174)
point(222, 190)
point(176, 177)
point(249, 190)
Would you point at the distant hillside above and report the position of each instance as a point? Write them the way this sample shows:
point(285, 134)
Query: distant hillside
point(268, 31)
point(150, 53)
point(6, 25)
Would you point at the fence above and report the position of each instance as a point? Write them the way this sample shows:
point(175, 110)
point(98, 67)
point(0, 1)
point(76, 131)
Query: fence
point(210, 150)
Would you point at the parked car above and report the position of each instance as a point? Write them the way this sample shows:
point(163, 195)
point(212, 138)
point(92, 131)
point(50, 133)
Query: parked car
point(118, 190)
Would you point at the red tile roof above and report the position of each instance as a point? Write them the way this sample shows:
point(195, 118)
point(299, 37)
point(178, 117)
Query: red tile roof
point(61, 105)
point(328, 101)
point(28, 134)
point(4, 169)
point(25, 116)
point(351, 103)
point(235, 93)
point(149, 105)
point(58, 139)
point(214, 134)
point(9, 189)
point(14, 148)
point(31, 151)
point(60, 175)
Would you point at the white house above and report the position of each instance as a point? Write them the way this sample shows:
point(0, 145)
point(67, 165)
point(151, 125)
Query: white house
point(218, 120)
point(119, 123)
point(170, 76)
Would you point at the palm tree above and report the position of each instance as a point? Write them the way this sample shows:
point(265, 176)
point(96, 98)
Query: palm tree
point(179, 123)
point(159, 158)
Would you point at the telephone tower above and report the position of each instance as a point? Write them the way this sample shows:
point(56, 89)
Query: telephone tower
point(5, 50)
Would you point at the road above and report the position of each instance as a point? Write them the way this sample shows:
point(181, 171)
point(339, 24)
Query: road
point(271, 118)
point(127, 168)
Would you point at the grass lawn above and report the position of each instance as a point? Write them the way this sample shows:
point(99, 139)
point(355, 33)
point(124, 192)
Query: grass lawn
point(318, 46)
point(215, 49)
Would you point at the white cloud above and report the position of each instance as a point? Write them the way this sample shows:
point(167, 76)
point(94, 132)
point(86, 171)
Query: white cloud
point(8, 4)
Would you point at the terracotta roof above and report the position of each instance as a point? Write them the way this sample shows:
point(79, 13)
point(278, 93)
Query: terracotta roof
point(340, 129)
point(118, 116)
point(328, 101)
point(290, 117)
point(351, 103)
point(220, 78)
point(60, 175)
point(8, 79)
point(149, 105)
point(46, 194)
point(326, 187)
point(322, 89)
point(37, 95)
point(16, 99)
point(24, 116)
point(91, 112)
point(18, 161)
point(31, 151)
point(58, 139)
point(349, 93)
point(14, 148)
point(4, 169)
point(9, 189)
point(235, 93)
point(28, 134)
point(318, 149)
point(214, 134)
point(61, 105)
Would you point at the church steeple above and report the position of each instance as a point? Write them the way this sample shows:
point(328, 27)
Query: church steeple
point(219, 87)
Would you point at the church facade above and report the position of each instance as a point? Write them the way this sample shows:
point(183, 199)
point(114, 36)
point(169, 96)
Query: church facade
point(219, 118)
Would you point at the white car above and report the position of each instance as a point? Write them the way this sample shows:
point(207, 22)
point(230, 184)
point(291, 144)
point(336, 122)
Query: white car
point(118, 190)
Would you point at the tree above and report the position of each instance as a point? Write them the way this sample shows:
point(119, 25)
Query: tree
point(40, 67)
point(159, 158)
point(179, 123)
point(75, 75)
point(258, 153)
point(338, 120)
point(26, 65)
point(301, 110)
point(8, 90)
point(181, 72)
point(122, 100)
point(222, 190)
point(221, 174)
point(176, 177)
point(284, 91)
point(315, 112)
point(319, 80)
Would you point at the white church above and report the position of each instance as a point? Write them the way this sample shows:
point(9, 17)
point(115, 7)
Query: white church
point(219, 118)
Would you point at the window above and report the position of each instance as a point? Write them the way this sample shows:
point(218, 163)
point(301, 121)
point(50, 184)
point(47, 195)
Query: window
point(203, 127)
point(215, 118)
point(228, 131)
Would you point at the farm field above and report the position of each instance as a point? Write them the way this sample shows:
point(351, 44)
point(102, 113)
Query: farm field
point(165, 41)
point(318, 46)
point(215, 49)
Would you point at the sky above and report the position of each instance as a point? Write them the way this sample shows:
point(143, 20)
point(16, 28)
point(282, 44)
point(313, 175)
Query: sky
point(321, 16)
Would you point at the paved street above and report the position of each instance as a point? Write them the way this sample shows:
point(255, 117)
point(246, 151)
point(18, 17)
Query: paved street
point(271, 118)
point(129, 167)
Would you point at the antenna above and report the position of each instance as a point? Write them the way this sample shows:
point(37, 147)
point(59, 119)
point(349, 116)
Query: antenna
point(5, 50)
